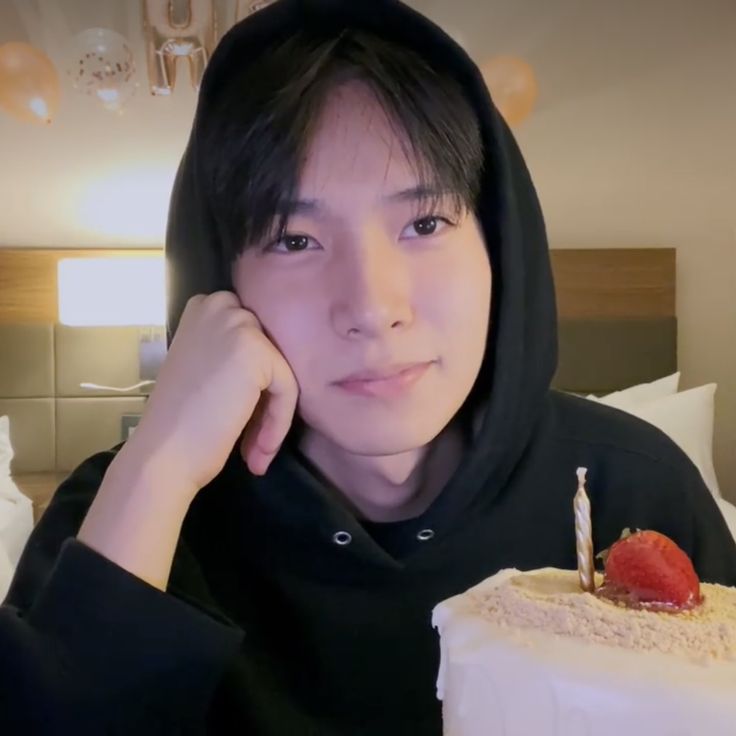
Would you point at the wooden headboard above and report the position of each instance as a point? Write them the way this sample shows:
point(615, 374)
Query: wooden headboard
point(28, 280)
point(617, 318)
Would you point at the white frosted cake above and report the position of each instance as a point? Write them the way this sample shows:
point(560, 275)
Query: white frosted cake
point(531, 654)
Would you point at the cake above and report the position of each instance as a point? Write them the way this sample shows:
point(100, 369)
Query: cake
point(533, 654)
point(643, 648)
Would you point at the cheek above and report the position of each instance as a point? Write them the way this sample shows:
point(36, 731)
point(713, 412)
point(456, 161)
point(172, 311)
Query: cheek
point(289, 319)
point(281, 309)
point(290, 325)
point(458, 296)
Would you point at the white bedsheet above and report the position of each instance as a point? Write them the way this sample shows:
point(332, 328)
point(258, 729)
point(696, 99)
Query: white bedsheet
point(16, 524)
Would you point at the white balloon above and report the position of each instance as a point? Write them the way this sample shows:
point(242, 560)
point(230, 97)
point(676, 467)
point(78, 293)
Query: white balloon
point(100, 63)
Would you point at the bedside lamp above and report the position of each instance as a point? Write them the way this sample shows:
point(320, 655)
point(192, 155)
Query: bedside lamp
point(119, 291)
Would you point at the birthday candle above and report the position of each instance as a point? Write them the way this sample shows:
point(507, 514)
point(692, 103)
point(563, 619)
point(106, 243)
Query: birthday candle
point(584, 535)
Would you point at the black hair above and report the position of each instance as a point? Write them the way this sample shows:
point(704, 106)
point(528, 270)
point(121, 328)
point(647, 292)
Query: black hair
point(259, 125)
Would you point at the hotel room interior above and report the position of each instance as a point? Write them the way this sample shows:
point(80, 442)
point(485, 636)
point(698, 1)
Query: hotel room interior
point(624, 111)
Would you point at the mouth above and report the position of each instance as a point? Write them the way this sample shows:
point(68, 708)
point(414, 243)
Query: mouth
point(390, 385)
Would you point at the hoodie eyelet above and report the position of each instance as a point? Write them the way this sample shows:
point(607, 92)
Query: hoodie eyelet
point(342, 538)
point(425, 535)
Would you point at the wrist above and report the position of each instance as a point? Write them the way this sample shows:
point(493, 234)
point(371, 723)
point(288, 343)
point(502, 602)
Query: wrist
point(148, 466)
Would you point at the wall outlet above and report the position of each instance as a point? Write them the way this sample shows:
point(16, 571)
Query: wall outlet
point(128, 423)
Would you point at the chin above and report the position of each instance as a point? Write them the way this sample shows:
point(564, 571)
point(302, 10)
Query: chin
point(378, 429)
point(384, 440)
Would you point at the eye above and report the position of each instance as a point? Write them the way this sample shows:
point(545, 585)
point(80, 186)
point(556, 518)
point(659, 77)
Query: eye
point(291, 243)
point(426, 226)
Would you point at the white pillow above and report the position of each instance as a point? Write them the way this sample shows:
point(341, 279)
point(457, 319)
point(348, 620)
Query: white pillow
point(640, 393)
point(687, 417)
point(6, 449)
point(729, 514)
point(6, 574)
point(16, 511)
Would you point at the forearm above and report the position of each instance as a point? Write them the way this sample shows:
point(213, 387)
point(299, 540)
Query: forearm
point(136, 517)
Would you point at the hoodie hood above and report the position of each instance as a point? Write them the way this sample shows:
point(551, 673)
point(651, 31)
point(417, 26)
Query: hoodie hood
point(521, 351)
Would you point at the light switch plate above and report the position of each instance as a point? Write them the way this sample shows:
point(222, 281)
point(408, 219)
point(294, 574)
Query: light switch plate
point(128, 423)
point(151, 351)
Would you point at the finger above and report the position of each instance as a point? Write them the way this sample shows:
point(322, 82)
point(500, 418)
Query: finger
point(248, 436)
point(256, 460)
point(279, 407)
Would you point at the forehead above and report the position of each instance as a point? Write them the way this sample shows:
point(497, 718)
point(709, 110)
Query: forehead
point(355, 146)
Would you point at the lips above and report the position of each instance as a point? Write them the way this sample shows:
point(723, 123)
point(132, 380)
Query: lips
point(390, 387)
point(380, 374)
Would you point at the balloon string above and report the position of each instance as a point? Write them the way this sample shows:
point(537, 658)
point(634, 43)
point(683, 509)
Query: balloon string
point(30, 18)
point(54, 29)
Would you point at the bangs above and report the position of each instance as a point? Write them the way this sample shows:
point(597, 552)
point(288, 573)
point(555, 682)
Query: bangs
point(258, 130)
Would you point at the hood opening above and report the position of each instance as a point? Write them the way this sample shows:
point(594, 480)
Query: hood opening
point(521, 349)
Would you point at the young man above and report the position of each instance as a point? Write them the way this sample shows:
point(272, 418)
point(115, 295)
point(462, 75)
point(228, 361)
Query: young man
point(351, 200)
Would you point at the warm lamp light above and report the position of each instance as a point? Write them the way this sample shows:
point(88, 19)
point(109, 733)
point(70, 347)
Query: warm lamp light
point(112, 291)
point(125, 291)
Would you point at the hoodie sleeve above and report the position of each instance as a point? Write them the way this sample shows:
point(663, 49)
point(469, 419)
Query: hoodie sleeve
point(87, 647)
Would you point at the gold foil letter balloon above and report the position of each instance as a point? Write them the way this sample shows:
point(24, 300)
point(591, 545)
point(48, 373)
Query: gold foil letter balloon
point(29, 83)
point(175, 28)
point(513, 87)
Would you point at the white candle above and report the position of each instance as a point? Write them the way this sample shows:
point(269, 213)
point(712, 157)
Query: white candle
point(584, 535)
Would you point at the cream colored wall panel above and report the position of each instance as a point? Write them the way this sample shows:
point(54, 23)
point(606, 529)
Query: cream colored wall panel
point(26, 361)
point(104, 355)
point(87, 426)
point(31, 434)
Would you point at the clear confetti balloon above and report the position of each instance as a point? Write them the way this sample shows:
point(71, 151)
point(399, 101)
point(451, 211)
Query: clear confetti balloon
point(100, 64)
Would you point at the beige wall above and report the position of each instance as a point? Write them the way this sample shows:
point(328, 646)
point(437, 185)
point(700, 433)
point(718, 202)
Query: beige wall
point(640, 150)
point(633, 144)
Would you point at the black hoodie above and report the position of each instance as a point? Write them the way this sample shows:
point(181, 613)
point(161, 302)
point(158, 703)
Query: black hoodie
point(268, 626)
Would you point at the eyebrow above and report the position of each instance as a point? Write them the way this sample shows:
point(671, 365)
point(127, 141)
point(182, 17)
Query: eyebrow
point(417, 194)
point(318, 207)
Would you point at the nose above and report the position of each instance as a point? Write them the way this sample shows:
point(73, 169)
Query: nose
point(374, 294)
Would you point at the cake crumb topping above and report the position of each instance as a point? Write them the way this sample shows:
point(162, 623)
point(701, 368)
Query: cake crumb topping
point(553, 602)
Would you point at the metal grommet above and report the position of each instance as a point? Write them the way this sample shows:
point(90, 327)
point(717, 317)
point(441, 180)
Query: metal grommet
point(425, 535)
point(342, 538)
